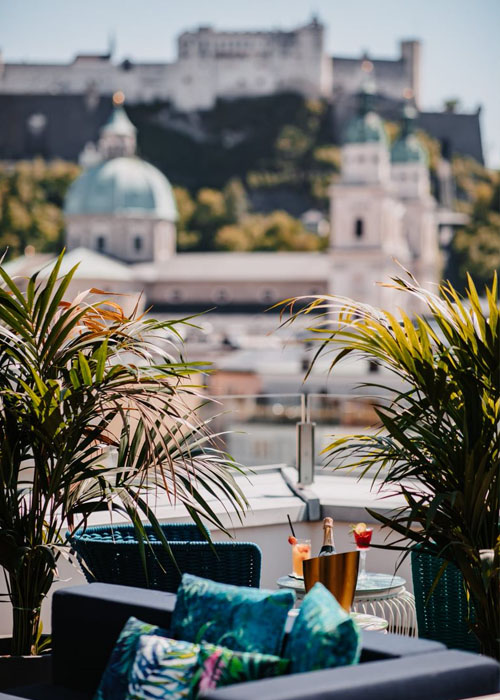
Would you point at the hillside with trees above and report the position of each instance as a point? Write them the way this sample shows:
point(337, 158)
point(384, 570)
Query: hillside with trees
point(243, 173)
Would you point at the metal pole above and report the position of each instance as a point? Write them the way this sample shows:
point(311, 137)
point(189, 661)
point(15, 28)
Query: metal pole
point(305, 448)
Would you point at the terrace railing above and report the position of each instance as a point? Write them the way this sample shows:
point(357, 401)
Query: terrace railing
point(292, 429)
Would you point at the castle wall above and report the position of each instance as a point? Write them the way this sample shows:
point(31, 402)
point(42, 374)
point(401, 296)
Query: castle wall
point(210, 64)
point(394, 78)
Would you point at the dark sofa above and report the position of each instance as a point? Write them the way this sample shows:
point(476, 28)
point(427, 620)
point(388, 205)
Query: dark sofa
point(86, 621)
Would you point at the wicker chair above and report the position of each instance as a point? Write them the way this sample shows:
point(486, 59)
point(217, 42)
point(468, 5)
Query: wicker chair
point(111, 555)
point(443, 617)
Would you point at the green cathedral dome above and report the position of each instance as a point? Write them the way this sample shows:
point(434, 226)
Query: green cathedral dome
point(407, 148)
point(366, 126)
point(122, 186)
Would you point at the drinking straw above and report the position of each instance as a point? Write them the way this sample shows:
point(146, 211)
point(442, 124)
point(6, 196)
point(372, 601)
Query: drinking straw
point(291, 526)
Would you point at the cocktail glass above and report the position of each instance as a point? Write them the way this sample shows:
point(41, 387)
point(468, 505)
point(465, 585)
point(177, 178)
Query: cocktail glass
point(300, 550)
point(363, 540)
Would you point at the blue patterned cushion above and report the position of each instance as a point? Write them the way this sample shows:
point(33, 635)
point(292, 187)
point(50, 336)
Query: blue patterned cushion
point(243, 619)
point(163, 668)
point(113, 685)
point(324, 634)
point(218, 666)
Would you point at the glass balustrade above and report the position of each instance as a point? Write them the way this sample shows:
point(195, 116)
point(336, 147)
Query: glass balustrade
point(265, 429)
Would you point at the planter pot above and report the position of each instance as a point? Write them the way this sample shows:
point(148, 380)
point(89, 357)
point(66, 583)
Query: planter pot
point(22, 670)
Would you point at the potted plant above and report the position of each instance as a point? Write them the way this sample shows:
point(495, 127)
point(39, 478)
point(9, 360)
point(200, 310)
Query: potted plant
point(78, 377)
point(439, 441)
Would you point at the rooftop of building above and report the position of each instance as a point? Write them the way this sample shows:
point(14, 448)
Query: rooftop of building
point(126, 186)
point(235, 266)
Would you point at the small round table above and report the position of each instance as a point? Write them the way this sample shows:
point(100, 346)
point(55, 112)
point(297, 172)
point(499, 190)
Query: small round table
point(381, 595)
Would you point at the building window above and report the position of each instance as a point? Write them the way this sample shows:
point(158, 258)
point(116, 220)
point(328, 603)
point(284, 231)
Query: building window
point(175, 296)
point(221, 295)
point(101, 243)
point(138, 243)
point(359, 228)
point(268, 296)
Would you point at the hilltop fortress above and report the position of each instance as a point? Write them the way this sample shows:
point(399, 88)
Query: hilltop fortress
point(54, 110)
point(212, 64)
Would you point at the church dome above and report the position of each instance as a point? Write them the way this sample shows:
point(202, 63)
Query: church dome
point(366, 126)
point(126, 186)
point(407, 148)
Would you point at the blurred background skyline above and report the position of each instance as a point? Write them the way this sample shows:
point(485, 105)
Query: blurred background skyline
point(461, 51)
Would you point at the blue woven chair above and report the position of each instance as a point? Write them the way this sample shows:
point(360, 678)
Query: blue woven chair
point(443, 617)
point(112, 555)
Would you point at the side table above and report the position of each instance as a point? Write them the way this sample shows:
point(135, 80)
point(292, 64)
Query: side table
point(381, 595)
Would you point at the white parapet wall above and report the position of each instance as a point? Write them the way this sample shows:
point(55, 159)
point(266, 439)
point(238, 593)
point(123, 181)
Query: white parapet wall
point(266, 524)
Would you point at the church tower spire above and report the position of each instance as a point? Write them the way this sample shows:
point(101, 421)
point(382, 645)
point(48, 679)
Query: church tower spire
point(118, 135)
point(366, 219)
point(365, 151)
point(411, 183)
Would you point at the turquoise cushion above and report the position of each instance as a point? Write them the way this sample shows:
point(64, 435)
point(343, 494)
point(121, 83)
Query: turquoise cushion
point(113, 685)
point(163, 668)
point(243, 619)
point(324, 634)
point(218, 666)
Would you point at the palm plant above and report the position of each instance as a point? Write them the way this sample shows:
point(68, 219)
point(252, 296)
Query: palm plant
point(439, 441)
point(77, 377)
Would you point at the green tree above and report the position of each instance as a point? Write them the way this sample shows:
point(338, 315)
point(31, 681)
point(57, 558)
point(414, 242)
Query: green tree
point(277, 231)
point(475, 249)
point(236, 201)
point(209, 215)
point(31, 199)
point(77, 375)
point(187, 239)
point(438, 446)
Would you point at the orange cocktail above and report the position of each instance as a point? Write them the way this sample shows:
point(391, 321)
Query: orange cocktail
point(301, 550)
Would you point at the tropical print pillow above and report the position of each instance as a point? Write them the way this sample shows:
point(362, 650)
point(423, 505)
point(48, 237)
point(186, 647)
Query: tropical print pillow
point(218, 666)
point(323, 636)
point(243, 619)
point(113, 685)
point(163, 668)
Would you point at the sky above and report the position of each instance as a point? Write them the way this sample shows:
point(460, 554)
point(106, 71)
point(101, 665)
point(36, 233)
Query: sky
point(461, 38)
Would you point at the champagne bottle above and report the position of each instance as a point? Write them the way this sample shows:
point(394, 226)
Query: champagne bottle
point(328, 546)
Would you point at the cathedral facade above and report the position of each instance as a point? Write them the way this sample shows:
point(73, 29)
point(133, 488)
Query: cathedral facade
point(121, 215)
point(383, 216)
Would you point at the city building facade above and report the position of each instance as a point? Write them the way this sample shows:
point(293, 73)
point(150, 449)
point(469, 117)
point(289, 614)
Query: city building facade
point(122, 209)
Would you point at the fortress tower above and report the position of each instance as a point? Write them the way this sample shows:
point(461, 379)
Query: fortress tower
point(213, 64)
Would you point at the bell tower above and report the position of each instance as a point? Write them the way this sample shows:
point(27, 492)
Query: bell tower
point(118, 135)
point(411, 183)
point(366, 218)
